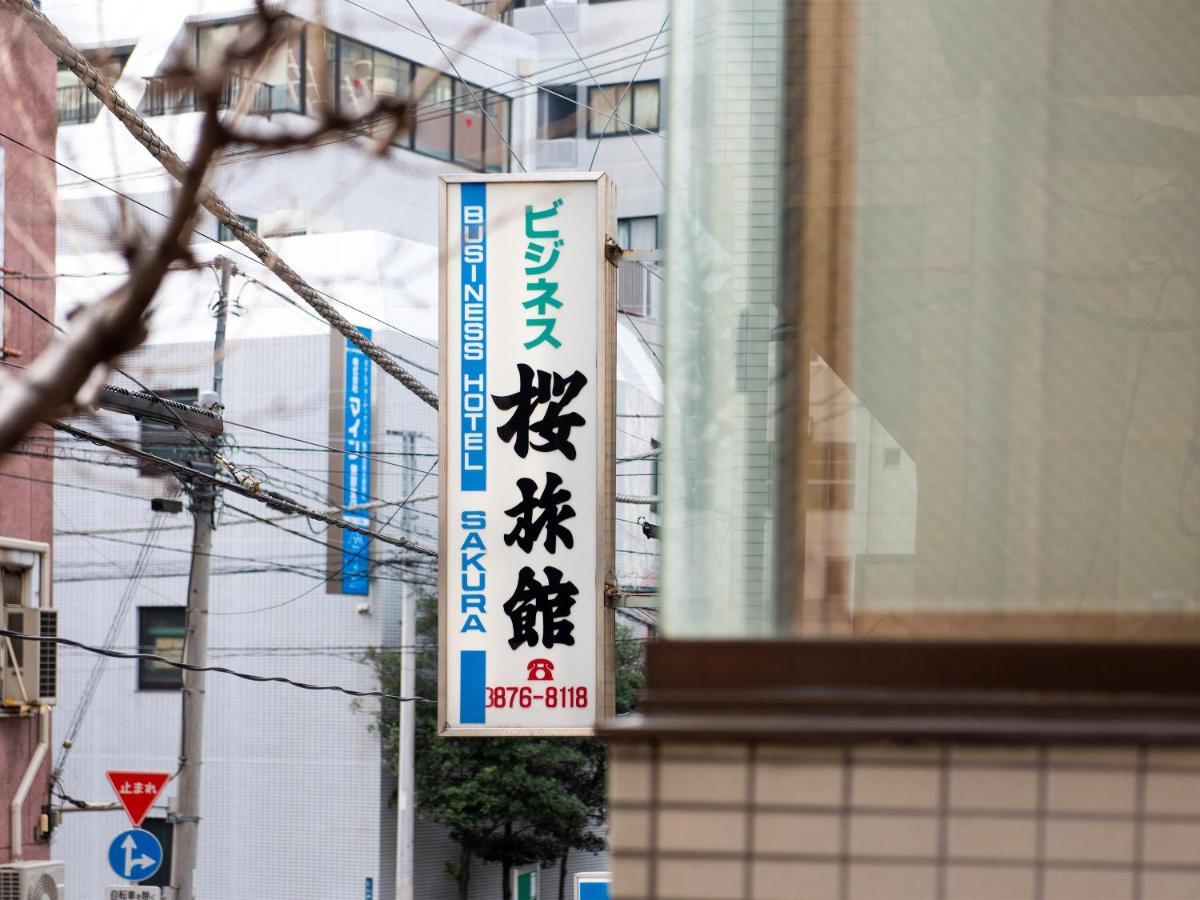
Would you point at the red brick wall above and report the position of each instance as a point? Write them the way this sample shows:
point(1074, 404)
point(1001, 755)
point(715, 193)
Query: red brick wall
point(27, 114)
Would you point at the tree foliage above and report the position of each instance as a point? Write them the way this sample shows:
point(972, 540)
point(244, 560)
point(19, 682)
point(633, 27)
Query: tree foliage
point(510, 801)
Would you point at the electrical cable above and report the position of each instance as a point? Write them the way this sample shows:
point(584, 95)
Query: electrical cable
point(341, 568)
point(470, 90)
point(270, 498)
point(221, 670)
point(118, 620)
point(511, 75)
point(628, 88)
point(596, 81)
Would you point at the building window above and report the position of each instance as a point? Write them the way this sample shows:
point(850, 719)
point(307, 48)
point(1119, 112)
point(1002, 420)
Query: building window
point(161, 630)
point(498, 135)
point(470, 126)
point(167, 440)
point(623, 109)
point(225, 233)
point(558, 109)
point(638, 233)
point(434, 125)
point(830, 482)
point(365, 74)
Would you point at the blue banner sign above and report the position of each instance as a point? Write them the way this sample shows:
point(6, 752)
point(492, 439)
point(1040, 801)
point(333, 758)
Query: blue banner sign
point(356, 468)
point(473, 343)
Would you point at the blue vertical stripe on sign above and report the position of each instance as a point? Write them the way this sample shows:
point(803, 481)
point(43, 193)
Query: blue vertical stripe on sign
point(473, 338)
point(472, 686)
point(356, 468)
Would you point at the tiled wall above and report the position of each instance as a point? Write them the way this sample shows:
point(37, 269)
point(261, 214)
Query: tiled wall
point(772, 822)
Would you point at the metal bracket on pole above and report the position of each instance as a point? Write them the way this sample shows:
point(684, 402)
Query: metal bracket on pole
point(615, 598)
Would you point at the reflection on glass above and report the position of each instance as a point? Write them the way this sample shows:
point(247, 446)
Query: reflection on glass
point(609, 107)
point(434, 116)
point(976, 364)
point(497, 138)
point(470, 127)
point(645, 106)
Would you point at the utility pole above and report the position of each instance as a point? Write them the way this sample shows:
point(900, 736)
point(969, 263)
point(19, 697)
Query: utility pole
point(406, 799)
point(195, 646)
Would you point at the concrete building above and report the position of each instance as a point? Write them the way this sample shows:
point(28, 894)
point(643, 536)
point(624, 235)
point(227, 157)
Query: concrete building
point(363, 230)
point(27, 672)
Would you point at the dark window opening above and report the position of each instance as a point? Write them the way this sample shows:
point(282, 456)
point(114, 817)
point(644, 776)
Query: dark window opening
point(225, 233)
point(161, 630)
point(557, 109)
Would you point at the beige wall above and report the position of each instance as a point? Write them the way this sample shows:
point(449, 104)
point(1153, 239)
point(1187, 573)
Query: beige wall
point(717, 821)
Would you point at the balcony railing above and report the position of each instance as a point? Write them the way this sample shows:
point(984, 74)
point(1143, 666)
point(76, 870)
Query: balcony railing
point(166, 97)
point(501, 12)
point(76, 104)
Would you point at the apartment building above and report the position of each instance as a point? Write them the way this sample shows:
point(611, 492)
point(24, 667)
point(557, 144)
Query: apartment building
point(27, 671)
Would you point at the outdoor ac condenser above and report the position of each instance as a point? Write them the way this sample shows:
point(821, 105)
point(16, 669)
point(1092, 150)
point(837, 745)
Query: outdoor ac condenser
point(29, 673)
point(33, 881)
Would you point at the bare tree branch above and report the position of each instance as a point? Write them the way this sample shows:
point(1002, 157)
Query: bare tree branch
point(113, 325)
point(77, 63)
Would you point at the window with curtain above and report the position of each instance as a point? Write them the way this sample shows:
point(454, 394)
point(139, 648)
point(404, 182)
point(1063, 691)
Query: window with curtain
point(618, 109)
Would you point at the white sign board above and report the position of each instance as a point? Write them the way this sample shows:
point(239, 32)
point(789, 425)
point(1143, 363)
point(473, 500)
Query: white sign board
point(528, 335)
point(132, 892)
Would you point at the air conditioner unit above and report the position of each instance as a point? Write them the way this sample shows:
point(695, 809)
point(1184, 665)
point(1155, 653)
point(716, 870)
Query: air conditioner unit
point(557, 153)
point(28, 669)
point(33, 881)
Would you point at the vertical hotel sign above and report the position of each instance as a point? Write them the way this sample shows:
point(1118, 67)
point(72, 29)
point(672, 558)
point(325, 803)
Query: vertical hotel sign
point(528, 325)
point(356, 468)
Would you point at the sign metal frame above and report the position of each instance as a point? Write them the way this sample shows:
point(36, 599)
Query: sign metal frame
point(605, 436)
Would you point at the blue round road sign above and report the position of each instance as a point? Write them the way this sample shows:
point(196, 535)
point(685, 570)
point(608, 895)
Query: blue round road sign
point(135, 855)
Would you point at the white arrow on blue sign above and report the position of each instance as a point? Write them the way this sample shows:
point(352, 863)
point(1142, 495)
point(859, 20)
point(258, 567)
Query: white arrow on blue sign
point(135, 855)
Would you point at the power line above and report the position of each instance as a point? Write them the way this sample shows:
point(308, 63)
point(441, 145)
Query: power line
point(511, 75)
point(270, 498)
point(596, 81)
point(470, 90)
point(341, 568)
point(118, 654)
point(628, 87)
point(198, 233)
point(114, 628)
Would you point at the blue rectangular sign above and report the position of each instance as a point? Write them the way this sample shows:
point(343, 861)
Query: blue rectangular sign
point(472, 686)
point(356, 468)
point(473, 338)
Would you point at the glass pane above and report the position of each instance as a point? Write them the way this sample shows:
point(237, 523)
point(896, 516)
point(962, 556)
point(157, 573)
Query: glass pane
point(970, 391)
point(643, 233)
point(319, 67)
point(605, 110)
point(469, 126)
point(556, 112)
point(645, 105)
point(497, 154)
point(161, 631)
point(434, 115)
point(357, 77)
point(720, 314)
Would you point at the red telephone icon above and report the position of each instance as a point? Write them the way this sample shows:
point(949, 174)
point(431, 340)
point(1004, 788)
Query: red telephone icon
point(541, 670)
